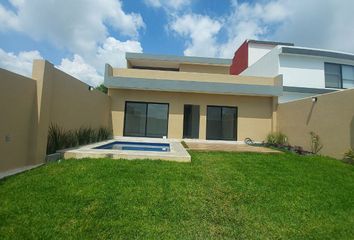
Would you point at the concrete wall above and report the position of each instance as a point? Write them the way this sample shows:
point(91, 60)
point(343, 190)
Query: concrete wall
point(255, 114)
point(198, 77)
point(331, 117)
point(267, 66)
point(17, 107)
point(28, 107)
point(74, 106)
point(197, 68)
point(300, 71)
point(257, 51)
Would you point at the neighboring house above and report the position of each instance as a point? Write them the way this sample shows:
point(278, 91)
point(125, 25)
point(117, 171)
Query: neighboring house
point(190, 97)
point(306, 71)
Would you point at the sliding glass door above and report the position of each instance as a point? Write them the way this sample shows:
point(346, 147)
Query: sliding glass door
point(221, 123)
point(146, 119)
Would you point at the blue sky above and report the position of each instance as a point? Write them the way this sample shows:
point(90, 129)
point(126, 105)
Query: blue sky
point(80, 36)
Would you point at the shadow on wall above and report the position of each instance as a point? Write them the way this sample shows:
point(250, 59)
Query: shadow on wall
point(352, 133)
point(310, 114)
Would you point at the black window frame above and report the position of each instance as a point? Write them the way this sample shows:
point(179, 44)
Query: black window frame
point(235, 123)
point(184, 134)
point(341, 74)
point(146, 118)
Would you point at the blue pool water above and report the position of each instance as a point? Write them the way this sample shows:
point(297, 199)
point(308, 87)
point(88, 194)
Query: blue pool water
point(136, 146)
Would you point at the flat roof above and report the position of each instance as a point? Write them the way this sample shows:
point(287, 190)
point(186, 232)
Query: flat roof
point(177, 59)
point(317, 53)
point(270, 42)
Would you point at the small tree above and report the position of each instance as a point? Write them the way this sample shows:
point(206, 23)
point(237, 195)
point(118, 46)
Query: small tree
point(102, 88)
point(316, 144)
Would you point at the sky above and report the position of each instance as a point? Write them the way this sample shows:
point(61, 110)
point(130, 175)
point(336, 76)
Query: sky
point(80, 36)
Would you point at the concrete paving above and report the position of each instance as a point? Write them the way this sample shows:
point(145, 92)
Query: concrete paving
point(231, 146)
point(177, 152)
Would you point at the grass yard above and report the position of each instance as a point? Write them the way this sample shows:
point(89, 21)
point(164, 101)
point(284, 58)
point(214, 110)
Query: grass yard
point(218, 195)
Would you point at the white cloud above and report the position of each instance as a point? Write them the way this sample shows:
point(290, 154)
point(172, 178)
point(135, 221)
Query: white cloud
point(245, 21)
point(168, 4)
point(91, 69)
point(316, 23)
point(79, 26)
point(76, 25)
point(81, 70)
point(201, 31)
point(320, 24)
point(20, 63)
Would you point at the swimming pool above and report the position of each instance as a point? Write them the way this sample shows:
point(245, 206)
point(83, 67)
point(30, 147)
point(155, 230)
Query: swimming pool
point(136, 146)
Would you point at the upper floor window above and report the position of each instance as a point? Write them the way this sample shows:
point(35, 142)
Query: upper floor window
point(339, 76)
point(348, 76)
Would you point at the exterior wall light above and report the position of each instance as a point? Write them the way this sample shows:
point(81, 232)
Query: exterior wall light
point(90, 88)
point(314, 99)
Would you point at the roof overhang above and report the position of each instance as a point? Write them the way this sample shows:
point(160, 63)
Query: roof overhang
point(317, 53)
point(169, 61)
point(147, 83)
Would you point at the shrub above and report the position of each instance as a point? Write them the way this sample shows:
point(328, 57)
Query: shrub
point(277, 138)
point(316, 144)
point(58, 138)
point(349, 154)
point(349, 157)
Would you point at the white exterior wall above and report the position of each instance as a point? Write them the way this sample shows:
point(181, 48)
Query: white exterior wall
point(257, 51)
point(302, 71)
point(267, 66)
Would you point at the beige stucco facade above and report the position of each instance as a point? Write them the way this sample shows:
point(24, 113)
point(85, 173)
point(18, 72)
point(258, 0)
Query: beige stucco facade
point(180, 81)
point(17, 105)
point(331, 117)
point(29, 105)
point(255, 114)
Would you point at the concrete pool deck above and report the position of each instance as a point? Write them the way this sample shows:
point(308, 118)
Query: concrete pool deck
point(177, 152)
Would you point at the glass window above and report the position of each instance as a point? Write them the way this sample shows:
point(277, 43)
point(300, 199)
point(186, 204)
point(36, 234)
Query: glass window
point(135, 119)
point(228, 123)
point(157, 115)
point(348, 76)
point(333, 75)
point(221, 123)
point(146, 119)
point(213, 122)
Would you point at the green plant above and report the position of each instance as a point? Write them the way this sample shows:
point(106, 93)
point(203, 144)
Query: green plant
point(102, 88)
point(103, 134)
point(349, 154)
point(316, 144)
point(58, 138)
point(85, 135)
point(277, 138)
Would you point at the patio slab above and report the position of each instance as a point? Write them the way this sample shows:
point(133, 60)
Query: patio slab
point(226, 146)
point(177, 152)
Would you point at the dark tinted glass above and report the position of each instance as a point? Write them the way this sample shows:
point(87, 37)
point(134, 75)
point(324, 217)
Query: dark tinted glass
point(214, 123)
point(221, 123)
point(333, 75)
point(228, 123)
point(157, 115)
point(191, 121)
point(135, 119)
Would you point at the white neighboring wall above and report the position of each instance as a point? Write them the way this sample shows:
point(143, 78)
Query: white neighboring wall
point(267, 66)
point(257, 51)
point(302, 71)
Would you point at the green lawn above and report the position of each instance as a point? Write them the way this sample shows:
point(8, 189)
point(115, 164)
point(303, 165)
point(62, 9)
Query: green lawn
point(218, 195)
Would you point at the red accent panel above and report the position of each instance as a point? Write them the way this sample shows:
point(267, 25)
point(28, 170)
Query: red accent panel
point(240, 60)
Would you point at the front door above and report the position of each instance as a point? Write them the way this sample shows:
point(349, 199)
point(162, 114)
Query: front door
point(221, 123)
point(191, 121)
